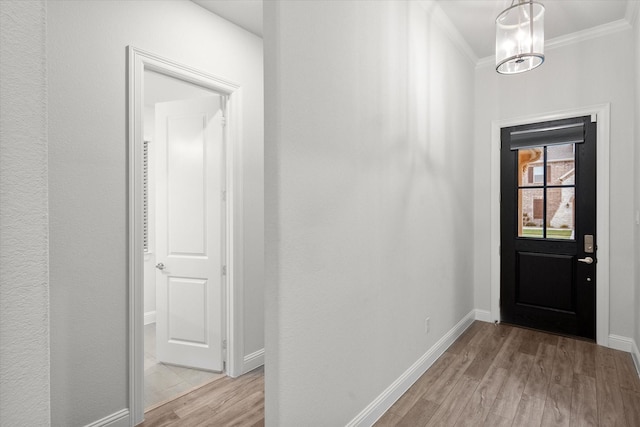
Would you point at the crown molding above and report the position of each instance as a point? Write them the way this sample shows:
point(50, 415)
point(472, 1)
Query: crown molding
point(486, 61)
point(578, 36)
point(442, 20)
point(589, 33)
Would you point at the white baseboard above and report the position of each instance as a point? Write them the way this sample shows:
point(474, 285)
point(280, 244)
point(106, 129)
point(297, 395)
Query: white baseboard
point(149, 317)
point(117, 419)
point(621, 343)
point(253, 361)
point(629, 345)
point(384, 401)
point(483, 315)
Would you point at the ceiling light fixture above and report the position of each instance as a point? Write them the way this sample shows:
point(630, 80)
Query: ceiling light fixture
point(520, 37)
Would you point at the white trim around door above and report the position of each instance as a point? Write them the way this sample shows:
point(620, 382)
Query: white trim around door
point(138, 62)
point(601, 113)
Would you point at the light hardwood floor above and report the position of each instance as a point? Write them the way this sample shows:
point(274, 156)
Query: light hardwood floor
point(224, 402)
point(500, 375)
point(493, 375)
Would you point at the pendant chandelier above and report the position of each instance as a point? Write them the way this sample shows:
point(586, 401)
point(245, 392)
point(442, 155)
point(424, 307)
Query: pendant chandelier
point(520, 37)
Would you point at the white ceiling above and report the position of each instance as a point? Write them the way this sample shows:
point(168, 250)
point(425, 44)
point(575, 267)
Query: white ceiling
point(244, 13)
point(475, 19)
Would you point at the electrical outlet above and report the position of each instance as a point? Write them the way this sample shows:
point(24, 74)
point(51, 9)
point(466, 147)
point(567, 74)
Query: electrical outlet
point(427, 325)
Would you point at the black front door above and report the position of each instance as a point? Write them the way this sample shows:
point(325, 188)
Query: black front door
point(548, 226)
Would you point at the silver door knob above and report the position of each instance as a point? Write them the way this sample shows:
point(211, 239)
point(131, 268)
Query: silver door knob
point(587, 260)
point(160, 266)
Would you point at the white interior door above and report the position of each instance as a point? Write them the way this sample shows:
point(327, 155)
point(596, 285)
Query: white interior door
point(189, 232)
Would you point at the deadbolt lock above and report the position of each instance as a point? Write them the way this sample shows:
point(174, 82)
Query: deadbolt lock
point(588, 243)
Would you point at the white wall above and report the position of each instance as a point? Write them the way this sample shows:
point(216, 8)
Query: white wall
point(24, 282)
point(88, 187)
point(369, 195)
point(591, 72)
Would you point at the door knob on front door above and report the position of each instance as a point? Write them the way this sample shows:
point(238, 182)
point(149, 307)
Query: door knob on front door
point(587, 260)
point(160, 266)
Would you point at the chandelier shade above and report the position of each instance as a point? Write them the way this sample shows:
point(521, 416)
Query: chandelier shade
point(520, 37)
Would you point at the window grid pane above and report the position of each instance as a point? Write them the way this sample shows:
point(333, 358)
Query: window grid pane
point(546, 192)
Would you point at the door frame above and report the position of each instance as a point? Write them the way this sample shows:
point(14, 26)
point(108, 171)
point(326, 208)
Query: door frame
point(137, 62)
point(602, 113)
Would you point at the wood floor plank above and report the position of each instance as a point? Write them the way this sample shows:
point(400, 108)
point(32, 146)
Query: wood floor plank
point(424, 383)
point(610, 407)
point(540, 375)
point(198, 408)
point(241, 413)
point(465, 337)
point(503, 329)
point(231, 399)
point(389, 419)
point(196, 418)
point(530, 342)
point(419, 414)
point(466, 388)
point(184, 401)
point(221, 395)
point(443, 385)
point(495, 420)
point(166, 411)
point(631, 401)
point(567, 382)
point(529, 413)
point(557, 408)
point(627, 375)
point(478, 340)
point(483, 397)
point(547, 338)
point(450, 409)
point(584, 405)
point(506, 403)
point(486, 355)
point(509, 350)
point(585, 358)
point(562, 372)
point(605, 362)
point(252, 414)
point(162, 420)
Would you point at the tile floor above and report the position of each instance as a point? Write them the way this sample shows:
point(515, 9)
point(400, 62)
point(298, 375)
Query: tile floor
point(165, 382)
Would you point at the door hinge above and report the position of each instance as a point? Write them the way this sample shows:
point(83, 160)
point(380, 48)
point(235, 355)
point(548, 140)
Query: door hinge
point(224, 270)
point(499, 250)
point(224, 195)
point(224, 344)
point(223, 121)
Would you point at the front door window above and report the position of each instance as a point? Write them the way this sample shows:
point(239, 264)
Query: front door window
point(546, 192)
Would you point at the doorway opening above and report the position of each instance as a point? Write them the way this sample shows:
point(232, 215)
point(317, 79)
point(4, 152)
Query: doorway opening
point(183, 237)
point(183, 152)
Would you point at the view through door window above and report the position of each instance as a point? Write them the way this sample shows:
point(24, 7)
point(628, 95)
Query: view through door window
point(546, 192)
